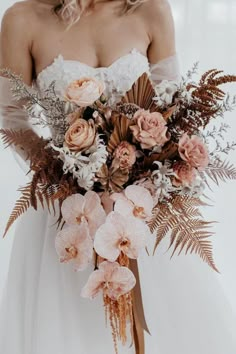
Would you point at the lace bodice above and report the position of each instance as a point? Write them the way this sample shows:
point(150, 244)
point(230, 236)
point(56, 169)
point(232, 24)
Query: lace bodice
point(118, 77)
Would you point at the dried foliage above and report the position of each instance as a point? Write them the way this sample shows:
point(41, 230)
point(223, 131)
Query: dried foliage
point(49, 184)
point(206, 104)
point(220, 171)
point(182, 218)
point(141, 94)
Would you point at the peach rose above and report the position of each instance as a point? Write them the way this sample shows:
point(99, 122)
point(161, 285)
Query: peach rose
point(185, 174)
point(85, 91)
point(194, 151)
point(124, 155)
point(80, 135)
point(150, 129)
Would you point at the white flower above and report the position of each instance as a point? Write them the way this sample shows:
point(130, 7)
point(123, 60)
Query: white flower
point(165, 92)
point(164, 188)
point(85, 178)
point(163, 170)
point(97, 155)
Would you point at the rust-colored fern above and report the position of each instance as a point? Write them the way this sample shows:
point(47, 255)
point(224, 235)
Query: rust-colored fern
point(182, 220)
point(21, 206)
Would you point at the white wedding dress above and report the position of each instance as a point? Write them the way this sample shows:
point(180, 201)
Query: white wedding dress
point(42, 311)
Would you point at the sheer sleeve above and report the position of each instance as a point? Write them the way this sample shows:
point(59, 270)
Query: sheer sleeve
point(13, 116)
point(166, 69)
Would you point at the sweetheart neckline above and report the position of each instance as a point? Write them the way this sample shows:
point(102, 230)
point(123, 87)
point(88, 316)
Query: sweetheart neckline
point(60, 56)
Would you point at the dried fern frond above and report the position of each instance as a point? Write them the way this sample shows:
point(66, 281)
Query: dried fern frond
point(21, 206)
point(182, 218)
point(220, 171)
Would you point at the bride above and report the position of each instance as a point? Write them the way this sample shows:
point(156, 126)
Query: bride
point(42, 311)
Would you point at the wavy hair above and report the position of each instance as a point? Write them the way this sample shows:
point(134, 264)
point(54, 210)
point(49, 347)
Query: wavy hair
point(70, 11)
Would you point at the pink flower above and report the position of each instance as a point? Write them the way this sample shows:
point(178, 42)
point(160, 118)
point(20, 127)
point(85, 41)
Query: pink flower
point(85, 91)
point(150, 129)
point(121, 234)
point(80, 135)
point(194, 151)
point(110, 278)
point(185, 174)
point(124, 156)
point(77, 209)
point(74, 244)
point(136, 201)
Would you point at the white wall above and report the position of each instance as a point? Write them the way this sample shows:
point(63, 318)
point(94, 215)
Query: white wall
point(206, 31)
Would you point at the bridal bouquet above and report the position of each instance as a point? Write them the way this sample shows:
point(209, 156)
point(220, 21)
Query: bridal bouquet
point(123, 174)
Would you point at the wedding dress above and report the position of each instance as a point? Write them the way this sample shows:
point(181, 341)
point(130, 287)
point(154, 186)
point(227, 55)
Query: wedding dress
point(42, 311)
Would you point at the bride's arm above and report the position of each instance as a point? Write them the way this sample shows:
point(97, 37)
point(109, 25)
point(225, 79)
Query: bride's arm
point(15, 54)
point(16, 43)
point(164, 64)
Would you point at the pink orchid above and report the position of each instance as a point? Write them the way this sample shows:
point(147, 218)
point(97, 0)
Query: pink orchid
point(136, 201)
point(78, 208)
point(74, 244)
point(111, 278)
point(121, 234)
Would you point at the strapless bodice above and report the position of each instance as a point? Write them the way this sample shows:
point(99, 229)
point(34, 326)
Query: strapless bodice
point(118, 77)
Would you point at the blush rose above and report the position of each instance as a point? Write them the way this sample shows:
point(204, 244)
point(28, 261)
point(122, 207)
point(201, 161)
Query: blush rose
point(194, 151)
point(149, 129)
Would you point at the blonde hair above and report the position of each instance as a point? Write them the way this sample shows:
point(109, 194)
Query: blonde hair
point(70, 11)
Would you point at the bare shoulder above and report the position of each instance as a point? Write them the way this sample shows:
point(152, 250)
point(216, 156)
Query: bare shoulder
point(25, 13)
point(157, 15)
point(18, 20)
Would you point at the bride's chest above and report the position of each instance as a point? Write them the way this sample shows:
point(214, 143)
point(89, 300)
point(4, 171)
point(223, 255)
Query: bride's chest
point(97, 40)
point(118, 77)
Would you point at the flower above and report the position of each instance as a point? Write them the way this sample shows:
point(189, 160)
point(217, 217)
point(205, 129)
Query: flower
point(150, 129)
point(80, 135)
point(124, 156)
point(164, 187)
point(120, 234)
point(136, 201)
point(165, 92)
point(85, 91)
point(74, 244)
point(111, 278)
point(194, 151)
point(85, 178)
point(77, 209)
point(185, 174)
point(148, 184)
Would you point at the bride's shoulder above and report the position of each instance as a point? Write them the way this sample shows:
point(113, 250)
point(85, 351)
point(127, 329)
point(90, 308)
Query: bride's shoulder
point(155, 9)
point(25, 13)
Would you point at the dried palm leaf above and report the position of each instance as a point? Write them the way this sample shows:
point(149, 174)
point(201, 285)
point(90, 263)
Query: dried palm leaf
point(141, 94)
point(120, 133)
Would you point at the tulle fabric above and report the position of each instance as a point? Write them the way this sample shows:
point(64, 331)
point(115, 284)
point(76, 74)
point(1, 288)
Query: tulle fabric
point(166, 69)
point(43, 313)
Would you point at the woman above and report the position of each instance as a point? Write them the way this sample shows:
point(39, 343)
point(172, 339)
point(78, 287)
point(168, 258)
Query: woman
point(43, 312)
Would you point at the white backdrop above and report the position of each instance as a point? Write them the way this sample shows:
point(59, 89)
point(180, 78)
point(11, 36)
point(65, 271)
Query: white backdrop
point(206, 32)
